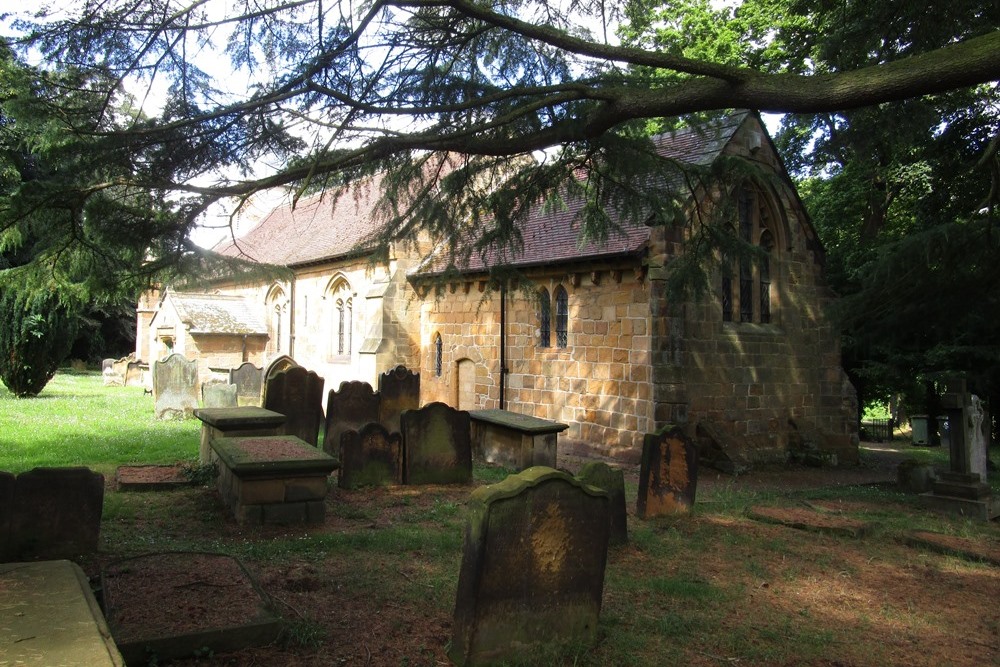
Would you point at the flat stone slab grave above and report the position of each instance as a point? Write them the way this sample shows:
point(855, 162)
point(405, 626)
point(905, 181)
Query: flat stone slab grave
point(150, 477)
point(235, 422)
point(804, 519)
point(513, 440)
point(956, 546)
point(165, 606)
point(50, 617)
point(273, 479)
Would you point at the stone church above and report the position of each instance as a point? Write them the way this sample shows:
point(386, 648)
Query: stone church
point(752, 370)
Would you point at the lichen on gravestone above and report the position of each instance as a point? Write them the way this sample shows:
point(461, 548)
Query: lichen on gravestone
point(532, 574)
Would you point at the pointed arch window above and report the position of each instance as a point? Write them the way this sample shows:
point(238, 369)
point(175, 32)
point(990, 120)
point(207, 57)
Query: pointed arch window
point(746, 286)
point(341, 317)
point(562, 317)
point(544, 319)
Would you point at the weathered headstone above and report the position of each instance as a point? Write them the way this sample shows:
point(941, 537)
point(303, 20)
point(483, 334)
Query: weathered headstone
point(399, 390)
point(277, 365)
point(297, 393)
point(249, 381)
point(436, 445)
point(218, 395)
point(113, 373)
point(175, 387)
point(370, 457)
point(963, 489)
point(133, 374)
point(668, 473)
point(56, 512)
point(532, 574)
point(611, 481)
point(7, 481)
point(348, 409)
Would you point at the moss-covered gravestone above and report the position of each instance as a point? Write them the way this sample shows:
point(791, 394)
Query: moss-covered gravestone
point(399, 391)
point(532, 572)
point(348, 409)
point(297, 393)
point(437, 447)
point(668, 473)
point(612, 481)
point(175, 387)
point(371, 457)
point(249, 381)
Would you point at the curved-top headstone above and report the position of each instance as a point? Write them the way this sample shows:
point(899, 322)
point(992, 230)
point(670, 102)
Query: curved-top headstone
point(175, 387)
point(249, 381)
point(437, 447)
point(399, 390)
point(56, 513)
point(297, 393)
point(612, 481)
point(532, 576)
point(349, 408)
point(277, 365)
point(370, 457)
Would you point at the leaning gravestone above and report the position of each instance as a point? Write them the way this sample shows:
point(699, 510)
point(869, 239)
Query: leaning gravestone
point(371, 457)
point(532, 576)
point(348, 409)
point(249, 381)
point(175, 387)
point(297, 393)
point(399, 390)
point(7, 481)
point(218, 395)
point(668, 473)
point(437, 447)
point(611, 481)
point(56, 513)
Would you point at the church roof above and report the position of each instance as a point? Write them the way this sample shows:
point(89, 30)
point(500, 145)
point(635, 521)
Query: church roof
point(553, 236)
point(216, 314)
point(327, 226)
point(319, 227)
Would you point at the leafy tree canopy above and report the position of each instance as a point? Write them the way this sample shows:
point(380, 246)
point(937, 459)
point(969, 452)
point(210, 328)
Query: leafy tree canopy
point(335, 90)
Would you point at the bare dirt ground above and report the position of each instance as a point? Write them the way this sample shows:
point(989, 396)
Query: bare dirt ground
point(885, 604)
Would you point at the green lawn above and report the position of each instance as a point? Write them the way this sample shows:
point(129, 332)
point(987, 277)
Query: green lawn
point(77, 421)
point(375, 583)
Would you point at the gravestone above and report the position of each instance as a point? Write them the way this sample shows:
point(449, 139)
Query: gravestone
point(963, 488)
point(348, 409)
point(277, 365)
point(668, 473)
point(133, 374)
point(437, 447)
point(370, 457)
point(112, 373)
point(533, 564)
point(611, 481)
point(249, 381)
point(7, 481)
point(297, 393)
point(175, 387)
point(56, 513)
point(399, 390)
point(218, 395)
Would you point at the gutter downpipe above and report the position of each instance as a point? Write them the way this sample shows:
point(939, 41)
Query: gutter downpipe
point(503, 345)
point(291, 319)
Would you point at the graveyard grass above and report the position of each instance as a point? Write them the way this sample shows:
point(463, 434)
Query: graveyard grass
point(375, 584)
